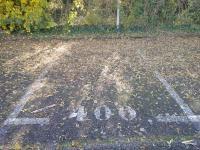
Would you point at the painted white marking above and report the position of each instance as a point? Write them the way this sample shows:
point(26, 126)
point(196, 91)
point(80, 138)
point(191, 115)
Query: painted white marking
point(186, 109)
point(97, 112)
point(25, 121)
point(127, 113)
point(35, 86)
point(79, 113)
point(177, 119)
point(43, 109)
point(24, 99)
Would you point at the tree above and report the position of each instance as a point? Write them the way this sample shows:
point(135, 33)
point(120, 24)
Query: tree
point(25, 15)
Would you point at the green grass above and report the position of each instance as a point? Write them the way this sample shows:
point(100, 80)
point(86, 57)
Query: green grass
point(108, 31)
point(81, 143)
point(142, 140)
point(187, 28)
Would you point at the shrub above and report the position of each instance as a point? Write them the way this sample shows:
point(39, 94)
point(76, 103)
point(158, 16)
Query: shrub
point(93, 19)
point(25, 15)
point(194, 11)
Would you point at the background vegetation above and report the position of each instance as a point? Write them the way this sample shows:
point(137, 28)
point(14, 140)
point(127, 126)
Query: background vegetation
point(96, 15)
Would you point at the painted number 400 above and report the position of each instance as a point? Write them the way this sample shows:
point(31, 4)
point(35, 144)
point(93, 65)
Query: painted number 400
point(104, 113)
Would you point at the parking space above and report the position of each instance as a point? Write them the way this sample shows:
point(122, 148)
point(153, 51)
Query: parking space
point(103, 89)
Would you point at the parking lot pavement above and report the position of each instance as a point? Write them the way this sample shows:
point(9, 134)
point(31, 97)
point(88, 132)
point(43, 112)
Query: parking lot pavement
point(104, 90)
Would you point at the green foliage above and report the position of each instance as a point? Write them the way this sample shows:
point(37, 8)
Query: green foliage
point(164, 11)
point(77, 8)
point(194, 11)
point(33, 15)
point(148, 12)
point(25, 15)
point(93, 18)
point(92, 12)
point(133, 15)
point(190, 15)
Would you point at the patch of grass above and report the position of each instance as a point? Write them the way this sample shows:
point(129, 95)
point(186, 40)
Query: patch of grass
point(153, 139)
point(81, 143)
point(109, 31)
point(188, 28)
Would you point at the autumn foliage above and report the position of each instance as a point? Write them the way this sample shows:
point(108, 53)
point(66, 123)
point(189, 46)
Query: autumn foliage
point(25, 15)
point(30, 15)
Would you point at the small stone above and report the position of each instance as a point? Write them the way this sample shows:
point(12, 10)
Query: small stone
point(167, 114)
point(116, 104)
point(142, 130)
point(96, 130)
point(159, 98)
point(150, 121)
point(65, 118)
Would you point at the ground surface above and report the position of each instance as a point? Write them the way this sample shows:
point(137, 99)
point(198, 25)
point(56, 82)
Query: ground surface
point(69, 93)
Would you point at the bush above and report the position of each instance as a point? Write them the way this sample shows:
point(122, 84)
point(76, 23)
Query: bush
point(133, 14)
point(30, 15)
point(27, 15)
point(194, 11)
point(93, 19)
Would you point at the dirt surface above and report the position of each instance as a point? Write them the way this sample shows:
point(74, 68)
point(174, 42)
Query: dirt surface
point(99, 91)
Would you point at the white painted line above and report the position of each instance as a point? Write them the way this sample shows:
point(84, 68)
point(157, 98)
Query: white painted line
point(26, 121)
point(43, 109)
point(186, 109)
point(35, 86)
point(24, 99)
point(177, 119)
